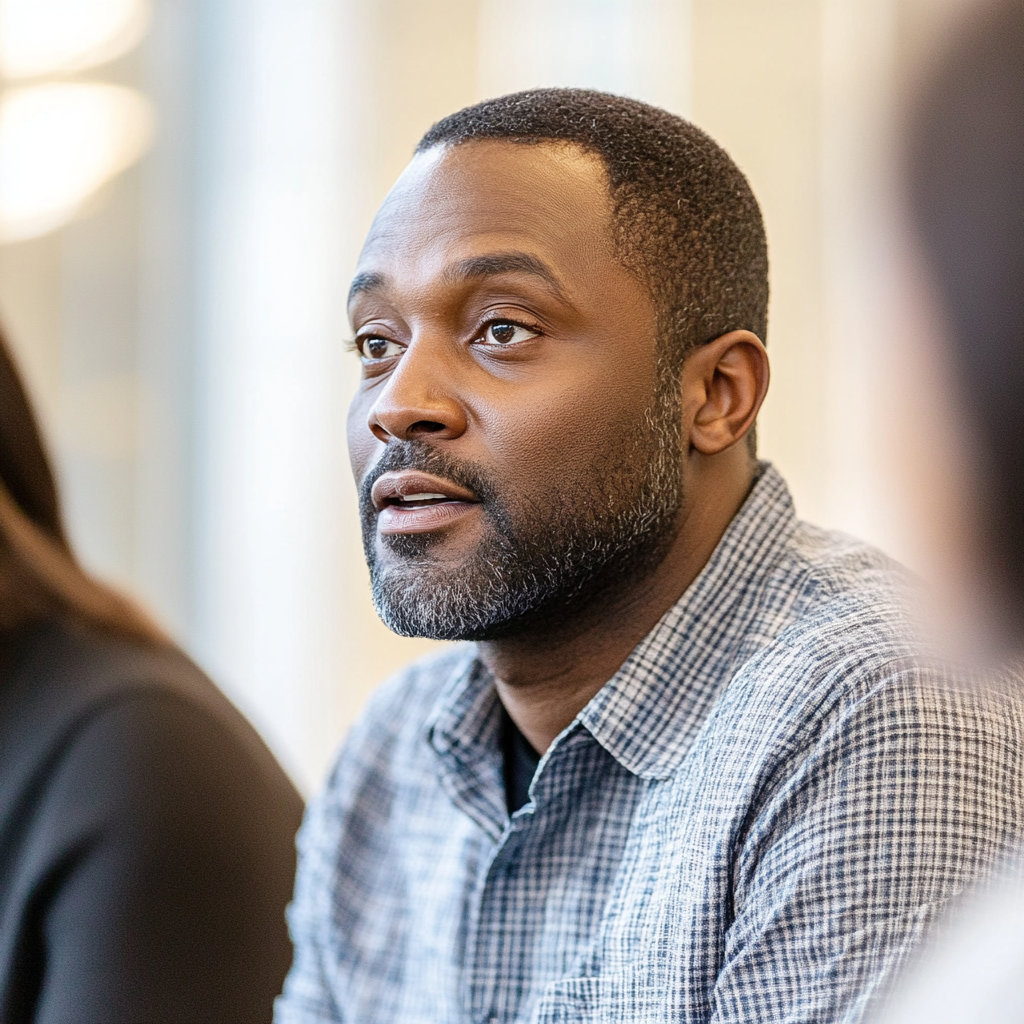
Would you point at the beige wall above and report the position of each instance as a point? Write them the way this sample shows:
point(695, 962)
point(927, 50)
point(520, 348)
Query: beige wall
point(757, 89)
point(206, 289)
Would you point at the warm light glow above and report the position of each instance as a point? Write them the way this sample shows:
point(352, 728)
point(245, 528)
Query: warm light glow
point(58, 144)
point(42, 37)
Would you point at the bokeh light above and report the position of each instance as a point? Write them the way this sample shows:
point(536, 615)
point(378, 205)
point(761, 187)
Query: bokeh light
point(59, 143)
point(46, 37)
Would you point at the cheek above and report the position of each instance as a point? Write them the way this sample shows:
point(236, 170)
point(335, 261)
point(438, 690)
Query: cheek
point(362, 445)
point(555, 437)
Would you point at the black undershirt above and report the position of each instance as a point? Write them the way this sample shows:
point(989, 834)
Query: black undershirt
point(520, 763)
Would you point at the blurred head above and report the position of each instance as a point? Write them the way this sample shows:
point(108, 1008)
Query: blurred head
point(39, 575)
point(964, 183)
point(528, 307)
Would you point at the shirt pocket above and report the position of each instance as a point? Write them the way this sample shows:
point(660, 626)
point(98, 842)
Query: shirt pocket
point(605, 1000)
point(570, 1001)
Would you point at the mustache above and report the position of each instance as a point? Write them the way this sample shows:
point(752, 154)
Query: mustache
point(422, 456)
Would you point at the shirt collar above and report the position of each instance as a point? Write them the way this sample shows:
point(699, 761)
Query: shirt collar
point(647, 714)
point(464, 722)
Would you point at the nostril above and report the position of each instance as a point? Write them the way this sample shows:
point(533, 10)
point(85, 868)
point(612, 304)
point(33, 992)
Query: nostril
point(424, 427)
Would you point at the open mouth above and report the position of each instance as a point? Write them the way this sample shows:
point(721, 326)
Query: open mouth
point(418, 500)
point(409, 501)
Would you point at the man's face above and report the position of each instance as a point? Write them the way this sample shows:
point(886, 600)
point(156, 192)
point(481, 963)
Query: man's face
point(516, 457)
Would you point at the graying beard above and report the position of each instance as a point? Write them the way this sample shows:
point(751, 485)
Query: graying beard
point(513, 587)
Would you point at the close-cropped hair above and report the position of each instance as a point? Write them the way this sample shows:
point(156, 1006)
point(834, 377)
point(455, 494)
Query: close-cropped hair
point(39, 573)
point(685, 219)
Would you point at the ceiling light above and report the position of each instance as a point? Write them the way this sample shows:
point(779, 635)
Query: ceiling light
point(43, 37)
point(58, 144)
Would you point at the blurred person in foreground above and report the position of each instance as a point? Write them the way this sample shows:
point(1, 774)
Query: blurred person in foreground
point(689, 764)
point(963, 190)
point(146, 833)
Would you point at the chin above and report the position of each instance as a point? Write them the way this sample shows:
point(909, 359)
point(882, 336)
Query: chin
point(471, 603)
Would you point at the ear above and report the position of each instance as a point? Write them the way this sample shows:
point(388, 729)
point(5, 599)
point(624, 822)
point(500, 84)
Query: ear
point(723, 385)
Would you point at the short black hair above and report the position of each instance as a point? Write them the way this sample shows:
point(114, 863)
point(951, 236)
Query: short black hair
point(685, 219)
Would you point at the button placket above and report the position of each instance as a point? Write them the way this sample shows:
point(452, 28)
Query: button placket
point(482, 976)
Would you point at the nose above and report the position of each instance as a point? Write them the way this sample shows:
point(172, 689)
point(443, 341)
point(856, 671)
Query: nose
point(419, 398)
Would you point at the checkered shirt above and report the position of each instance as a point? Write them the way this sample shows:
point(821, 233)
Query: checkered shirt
point(751, 822)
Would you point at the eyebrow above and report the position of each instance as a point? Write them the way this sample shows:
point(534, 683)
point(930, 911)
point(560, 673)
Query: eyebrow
point(488, 265)
point(366, 282)
point(492, 264)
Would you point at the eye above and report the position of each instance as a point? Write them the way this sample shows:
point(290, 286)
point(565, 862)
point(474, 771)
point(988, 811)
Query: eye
point(375, 347)
point(505, 332)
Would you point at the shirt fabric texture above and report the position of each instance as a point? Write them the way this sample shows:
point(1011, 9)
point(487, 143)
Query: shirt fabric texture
point(752, 821)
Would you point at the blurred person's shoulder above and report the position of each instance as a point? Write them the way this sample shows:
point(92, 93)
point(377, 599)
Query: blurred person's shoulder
point(63, 678)
point(130, 790)
point(60, 669)
point(970, 967)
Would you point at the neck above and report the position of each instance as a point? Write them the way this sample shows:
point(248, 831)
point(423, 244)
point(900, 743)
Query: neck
point(544, 682)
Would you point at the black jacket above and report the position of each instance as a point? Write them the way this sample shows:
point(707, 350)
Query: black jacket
point(146, 839)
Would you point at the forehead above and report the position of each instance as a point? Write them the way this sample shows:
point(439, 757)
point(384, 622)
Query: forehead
point(452, 203)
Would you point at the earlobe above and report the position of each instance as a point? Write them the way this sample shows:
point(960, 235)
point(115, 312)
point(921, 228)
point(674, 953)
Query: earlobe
point(724, 385)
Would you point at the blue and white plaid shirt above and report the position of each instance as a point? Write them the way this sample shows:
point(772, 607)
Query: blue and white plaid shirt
point(750, 822)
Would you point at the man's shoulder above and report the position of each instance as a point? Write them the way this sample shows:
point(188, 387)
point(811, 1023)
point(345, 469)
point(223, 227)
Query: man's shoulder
point(834, 624)
point(413, 690)
point(846, 595)
point(385, 768)
point(846, 643)
point(397, 714)
point(839, 563)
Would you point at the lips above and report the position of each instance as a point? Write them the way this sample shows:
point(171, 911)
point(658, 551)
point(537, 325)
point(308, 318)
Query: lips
point(410, 501)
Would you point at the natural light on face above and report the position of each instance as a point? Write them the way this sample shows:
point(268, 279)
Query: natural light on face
point(61, 141)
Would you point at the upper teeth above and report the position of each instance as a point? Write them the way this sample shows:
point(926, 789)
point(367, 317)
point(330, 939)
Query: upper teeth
point(421, 497)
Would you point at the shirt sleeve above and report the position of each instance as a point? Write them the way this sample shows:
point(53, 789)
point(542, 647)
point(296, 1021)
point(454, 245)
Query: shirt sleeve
point(307, 997)
point(165, 851)
point(359, 777)
point(867, 830)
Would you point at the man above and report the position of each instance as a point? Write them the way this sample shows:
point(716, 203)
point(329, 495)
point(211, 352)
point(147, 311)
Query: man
point(690, 768)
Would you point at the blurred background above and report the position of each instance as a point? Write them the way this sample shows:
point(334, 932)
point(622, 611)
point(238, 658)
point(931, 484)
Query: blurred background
point(184, 187)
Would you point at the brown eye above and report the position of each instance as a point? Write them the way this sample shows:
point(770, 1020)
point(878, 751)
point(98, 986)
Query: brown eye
point(506, 333)
point(378, 348)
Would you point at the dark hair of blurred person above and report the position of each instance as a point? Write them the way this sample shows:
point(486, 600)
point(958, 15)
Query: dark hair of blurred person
point(965, 191)
point(963, 188)
point(146, 832)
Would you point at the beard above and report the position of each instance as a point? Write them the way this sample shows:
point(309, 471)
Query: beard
point(539, 566)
